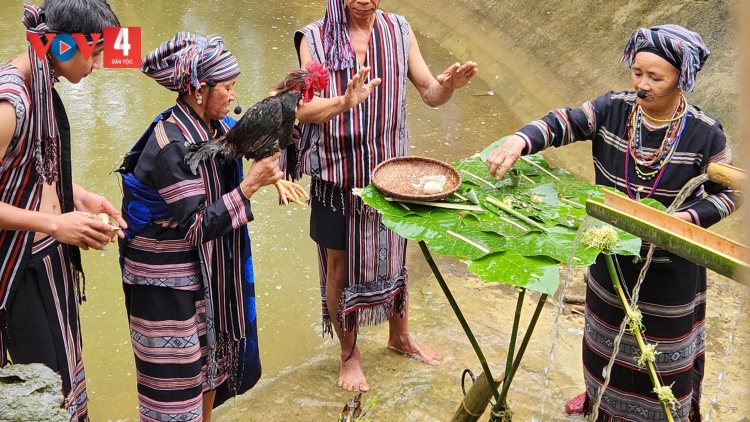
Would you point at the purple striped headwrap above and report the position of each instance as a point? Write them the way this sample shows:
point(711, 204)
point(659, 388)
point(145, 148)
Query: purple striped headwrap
point(683, 48)
point(44, 127)
point(183, 62)
point(337, 37)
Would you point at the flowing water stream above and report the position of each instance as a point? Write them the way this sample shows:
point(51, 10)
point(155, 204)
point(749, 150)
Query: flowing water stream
point(566, 279)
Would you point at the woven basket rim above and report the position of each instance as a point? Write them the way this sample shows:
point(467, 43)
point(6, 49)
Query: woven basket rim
point(415, 159)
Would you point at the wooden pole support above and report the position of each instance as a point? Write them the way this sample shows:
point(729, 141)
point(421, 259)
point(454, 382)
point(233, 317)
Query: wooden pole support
point(476, 400)
point(726, 175)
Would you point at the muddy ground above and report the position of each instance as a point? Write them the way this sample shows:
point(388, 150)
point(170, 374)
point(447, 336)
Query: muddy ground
point(408, 390)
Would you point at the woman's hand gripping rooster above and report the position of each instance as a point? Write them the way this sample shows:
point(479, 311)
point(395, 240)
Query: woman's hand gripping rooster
point(267, 127)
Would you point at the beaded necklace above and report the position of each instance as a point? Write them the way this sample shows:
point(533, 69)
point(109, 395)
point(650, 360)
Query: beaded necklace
point(650, 164)
point(654, 127)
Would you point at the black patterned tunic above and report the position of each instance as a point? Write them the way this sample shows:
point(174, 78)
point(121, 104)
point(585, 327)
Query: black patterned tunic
point(673, 293)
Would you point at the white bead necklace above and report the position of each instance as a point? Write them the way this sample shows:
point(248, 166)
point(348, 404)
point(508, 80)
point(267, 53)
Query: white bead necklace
point(654, 127)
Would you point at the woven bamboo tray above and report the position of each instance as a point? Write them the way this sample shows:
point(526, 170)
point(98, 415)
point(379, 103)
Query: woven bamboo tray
point(404, 178)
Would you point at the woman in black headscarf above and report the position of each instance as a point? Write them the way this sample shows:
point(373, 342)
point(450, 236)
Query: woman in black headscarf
point(648, 143)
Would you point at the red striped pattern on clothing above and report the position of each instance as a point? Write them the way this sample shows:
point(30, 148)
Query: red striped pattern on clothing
point(65, 298)
point(181, 190)
point(171, 270)
point(165, 342)
point(161, 136)
point(72, 342)
point(166, 328)
point(236, 208)
point(155, 411)
point(78, 404)
point(18, 178)
point(157, 246)
point(345, 150)
point(168, 384)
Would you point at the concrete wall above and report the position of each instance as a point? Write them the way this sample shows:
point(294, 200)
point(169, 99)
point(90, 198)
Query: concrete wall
point(542, 54)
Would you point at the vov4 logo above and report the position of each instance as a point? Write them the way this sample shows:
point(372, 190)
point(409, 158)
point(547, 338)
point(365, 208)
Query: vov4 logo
point(122, 46)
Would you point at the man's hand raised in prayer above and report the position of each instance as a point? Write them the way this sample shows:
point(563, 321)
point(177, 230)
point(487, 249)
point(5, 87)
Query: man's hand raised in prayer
point(357, 90)
point(457, 75)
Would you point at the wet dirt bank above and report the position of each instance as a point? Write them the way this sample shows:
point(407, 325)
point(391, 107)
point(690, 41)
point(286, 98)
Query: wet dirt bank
point(543, 54)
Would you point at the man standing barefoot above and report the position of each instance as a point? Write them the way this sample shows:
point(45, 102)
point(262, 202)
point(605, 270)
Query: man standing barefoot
point(347, 131)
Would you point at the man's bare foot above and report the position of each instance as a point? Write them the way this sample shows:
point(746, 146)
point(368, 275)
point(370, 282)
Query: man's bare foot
point(411, 348)
point(352, 376)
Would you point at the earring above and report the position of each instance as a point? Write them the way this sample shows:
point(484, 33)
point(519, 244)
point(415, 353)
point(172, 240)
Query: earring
point(200, 100)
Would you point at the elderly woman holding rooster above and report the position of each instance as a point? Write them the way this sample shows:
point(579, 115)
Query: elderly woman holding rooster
point(355, 124)
point(185, 260)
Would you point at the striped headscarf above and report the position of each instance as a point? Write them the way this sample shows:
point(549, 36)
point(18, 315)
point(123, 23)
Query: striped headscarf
point(683, 48)
point(183, 62)
point(44, 127)
point(337, 37)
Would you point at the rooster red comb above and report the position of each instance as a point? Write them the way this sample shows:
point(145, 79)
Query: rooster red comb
point(319, 71)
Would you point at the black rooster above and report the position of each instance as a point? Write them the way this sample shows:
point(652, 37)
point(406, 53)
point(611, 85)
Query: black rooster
point(267, 126)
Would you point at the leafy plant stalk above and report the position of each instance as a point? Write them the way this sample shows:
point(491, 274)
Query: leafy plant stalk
point(539, 167)
point(494, 201)
point(571, 203)
point(515, 177)
point(501, 405)
point(636, 332)
point(437, 204)
point(501, 402)
point(469, 241)
point(477, 178)
point(461, 319)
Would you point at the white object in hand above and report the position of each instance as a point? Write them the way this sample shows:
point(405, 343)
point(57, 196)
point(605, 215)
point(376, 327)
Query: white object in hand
point(104, 217)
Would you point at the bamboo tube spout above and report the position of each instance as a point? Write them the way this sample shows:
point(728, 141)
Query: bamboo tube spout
point(726, 175)
point(476, 400)
point(694, 243)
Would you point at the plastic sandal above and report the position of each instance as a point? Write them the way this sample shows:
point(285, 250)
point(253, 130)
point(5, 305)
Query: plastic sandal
point(575, 405)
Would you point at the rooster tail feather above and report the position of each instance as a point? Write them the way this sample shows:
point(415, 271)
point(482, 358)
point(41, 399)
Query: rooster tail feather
point(203, 151)
point(291, 172)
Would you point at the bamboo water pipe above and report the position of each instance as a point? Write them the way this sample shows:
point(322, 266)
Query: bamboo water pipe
point(694, 243)
point(726, 175)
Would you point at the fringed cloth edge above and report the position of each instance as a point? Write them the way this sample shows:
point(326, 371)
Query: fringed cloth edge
point(354, 311)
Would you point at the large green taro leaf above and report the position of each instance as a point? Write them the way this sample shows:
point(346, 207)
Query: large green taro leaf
point(559, 243)
point(497, 246)
point(433, 230)
point(539, 274)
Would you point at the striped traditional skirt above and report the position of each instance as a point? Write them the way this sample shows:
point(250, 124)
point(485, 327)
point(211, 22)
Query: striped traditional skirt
point(376, 257)
point(168, 335)
point(42, 324)
point(672, 301)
